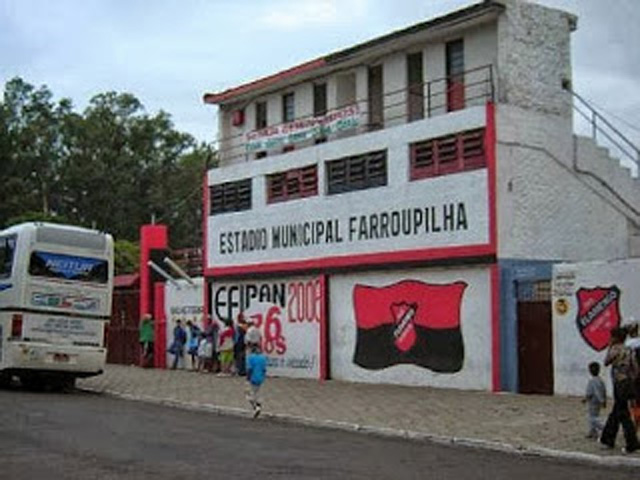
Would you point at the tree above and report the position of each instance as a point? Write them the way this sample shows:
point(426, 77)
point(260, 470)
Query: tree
point(127, 257)
point(113, 166)
point(31, 149)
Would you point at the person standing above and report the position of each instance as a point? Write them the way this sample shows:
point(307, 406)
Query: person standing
point(146, 341)
point(192, 343)
point(177, 346)
point(256, 374)
point(211, 333)
point(623, 374)
point(633, 342)
point(226, 349)
point(239, 346)
point(596, 399)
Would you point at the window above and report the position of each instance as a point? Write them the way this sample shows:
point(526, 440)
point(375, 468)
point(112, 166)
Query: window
point(7, 250)
point(288, 109)
point(68, 267)
point(292, 184)
point(230, 196)
point(357, 172)
point(319, 99)
point(455, 75)
point(450, 154)
point(415, 87)
point(345, 89)
point(375, 97)
point(261, 115)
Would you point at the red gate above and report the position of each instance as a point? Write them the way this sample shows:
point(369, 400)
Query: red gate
point(123, 343)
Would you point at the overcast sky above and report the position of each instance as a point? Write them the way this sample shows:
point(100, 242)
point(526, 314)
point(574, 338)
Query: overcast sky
point(168, 53)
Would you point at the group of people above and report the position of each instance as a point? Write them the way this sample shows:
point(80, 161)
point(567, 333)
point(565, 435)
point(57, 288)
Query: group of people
point(214, 348)
point(623, 356)
point(233, 349)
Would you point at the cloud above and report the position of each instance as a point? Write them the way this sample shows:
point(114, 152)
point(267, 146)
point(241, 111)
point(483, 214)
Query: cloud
point(299, 14)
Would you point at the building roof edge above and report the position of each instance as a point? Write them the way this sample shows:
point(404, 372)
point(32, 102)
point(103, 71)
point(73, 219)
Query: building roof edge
point(345, 54)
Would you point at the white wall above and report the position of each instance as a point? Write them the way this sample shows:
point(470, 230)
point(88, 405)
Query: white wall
point(475, 322)
point(546, 209)
point(534, 57)
point(183, 302)
point(469, 187)
point(572, 353)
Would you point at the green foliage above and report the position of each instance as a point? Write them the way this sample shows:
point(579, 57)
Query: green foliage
point(127, 257)
point(113, 167)
point(37, 217)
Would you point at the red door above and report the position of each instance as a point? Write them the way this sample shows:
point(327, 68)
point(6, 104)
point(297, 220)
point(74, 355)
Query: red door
point(535, 352)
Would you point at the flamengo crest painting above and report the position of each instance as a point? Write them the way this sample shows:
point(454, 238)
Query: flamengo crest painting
point(598, 313)
point(409, 322)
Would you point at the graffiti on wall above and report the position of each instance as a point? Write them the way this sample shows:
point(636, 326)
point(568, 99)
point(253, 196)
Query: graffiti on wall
point(288, 314)
point(598, 312)
point(409, 322)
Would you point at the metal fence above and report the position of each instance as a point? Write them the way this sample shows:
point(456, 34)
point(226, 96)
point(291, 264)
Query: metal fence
point(415, 102)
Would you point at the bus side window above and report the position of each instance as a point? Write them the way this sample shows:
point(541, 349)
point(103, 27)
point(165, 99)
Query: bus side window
point(7, 248)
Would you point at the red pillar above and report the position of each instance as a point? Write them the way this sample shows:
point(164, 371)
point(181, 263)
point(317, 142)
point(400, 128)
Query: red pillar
point(151, 237)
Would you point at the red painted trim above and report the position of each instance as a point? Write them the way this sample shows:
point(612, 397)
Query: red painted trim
point(151, 236)
point(356, 260)
point(495, 327)
point(215, 98)
point(205, 223)
point(160, 326)
point(324, 340)
point(490, 148)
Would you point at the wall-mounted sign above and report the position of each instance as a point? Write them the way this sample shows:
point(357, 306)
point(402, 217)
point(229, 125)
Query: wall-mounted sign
point(288, 313)
point(409, 322)
point(452, 211)
point(298, 131)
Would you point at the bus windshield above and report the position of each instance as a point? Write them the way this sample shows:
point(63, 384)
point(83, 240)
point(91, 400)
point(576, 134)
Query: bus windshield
point(68, 267)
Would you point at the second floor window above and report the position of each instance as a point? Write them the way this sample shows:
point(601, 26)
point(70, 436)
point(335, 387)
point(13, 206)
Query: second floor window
point(358, 172)
point(230, 196)
point(319, 99)
point(261, 115)
point(415, 84)
point(292, 184)
point(288, 109)
point(455, 75)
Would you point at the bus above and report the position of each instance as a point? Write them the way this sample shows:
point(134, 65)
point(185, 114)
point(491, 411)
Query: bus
point(56, 285)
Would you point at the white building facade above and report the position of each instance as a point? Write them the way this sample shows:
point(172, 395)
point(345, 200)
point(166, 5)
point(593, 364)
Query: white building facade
point(391, 212)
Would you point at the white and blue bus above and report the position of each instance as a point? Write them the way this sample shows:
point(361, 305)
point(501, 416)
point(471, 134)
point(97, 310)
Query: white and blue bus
point(56, 284)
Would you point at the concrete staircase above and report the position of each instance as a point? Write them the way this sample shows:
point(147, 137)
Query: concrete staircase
point(613, 181)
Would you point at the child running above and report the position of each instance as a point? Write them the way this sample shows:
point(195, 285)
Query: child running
point(256, 373)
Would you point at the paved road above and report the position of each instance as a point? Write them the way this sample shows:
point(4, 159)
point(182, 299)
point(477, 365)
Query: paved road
point(84, 435)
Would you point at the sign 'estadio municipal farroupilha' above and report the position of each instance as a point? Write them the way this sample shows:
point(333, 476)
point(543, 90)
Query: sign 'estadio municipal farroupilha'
point(453, 211)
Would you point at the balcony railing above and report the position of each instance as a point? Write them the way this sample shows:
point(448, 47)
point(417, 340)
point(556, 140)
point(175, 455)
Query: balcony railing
point(418, 101)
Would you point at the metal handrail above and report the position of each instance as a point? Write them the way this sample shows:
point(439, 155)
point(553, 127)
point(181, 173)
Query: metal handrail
point(434, 97)
point(613, 135)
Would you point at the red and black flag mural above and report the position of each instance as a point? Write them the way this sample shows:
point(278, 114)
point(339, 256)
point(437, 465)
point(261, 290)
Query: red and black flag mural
point(409, 322)
point(598, 313)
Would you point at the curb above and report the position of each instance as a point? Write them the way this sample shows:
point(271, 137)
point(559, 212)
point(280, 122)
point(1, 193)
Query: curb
point(385, 432)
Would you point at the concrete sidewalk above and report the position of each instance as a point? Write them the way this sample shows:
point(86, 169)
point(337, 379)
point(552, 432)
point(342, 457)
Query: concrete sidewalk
point(529, 424)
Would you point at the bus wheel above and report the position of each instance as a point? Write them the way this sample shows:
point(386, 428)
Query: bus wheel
point(5, 380)
point(63, 384)
point(32, 382)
